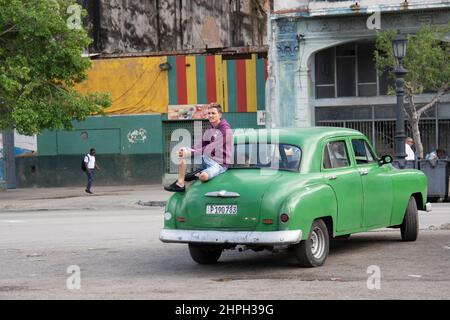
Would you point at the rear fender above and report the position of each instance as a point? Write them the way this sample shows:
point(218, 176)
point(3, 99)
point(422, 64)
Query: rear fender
point(308, 204)
point(172, 207)
point(406, 186)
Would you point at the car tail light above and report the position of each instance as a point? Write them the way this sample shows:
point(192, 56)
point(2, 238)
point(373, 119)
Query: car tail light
point(268, 221)
point(284, 218)
point(181, 219)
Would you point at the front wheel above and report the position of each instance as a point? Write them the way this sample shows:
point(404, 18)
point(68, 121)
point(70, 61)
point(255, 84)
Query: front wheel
point(410, 226)
point(313, 251)
point(205, 254)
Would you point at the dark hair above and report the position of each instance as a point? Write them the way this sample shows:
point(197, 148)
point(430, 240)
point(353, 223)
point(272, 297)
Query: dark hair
point(215, 105)
point(92, 150)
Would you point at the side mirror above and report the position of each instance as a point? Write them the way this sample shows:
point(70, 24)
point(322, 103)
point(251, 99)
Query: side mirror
point(385, 160)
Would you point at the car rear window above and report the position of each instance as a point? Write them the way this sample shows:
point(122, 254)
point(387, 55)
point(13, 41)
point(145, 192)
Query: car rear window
point(266, 155)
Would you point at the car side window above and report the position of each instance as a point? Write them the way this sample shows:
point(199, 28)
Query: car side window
point(335, 155)
point(363, 153)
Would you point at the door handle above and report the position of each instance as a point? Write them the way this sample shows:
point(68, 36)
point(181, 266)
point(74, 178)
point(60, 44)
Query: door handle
point(332, 177)
point(364, 172)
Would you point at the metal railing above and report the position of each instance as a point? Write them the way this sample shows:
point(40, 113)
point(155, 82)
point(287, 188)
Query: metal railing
point(434, 133)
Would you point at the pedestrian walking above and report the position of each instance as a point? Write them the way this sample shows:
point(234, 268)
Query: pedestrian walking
point(91, 166)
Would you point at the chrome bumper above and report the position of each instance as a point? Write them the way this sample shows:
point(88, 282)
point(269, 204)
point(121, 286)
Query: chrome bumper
point(428, 207)
point(231, 237)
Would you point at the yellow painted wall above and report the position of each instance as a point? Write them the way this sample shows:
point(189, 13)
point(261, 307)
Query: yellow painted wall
point(136, 85)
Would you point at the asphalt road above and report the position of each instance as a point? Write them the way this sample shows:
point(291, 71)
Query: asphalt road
point(119, 256)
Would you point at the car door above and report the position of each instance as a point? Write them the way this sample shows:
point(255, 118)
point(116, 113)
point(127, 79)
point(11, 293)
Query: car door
point(341, 174)
point(376, 182)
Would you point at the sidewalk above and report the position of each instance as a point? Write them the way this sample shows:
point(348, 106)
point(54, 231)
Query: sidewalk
point(75, 198)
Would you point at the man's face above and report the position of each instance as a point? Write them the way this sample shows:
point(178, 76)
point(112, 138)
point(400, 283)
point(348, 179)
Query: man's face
point(214, 115)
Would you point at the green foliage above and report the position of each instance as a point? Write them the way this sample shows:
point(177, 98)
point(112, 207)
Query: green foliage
point(40, 62)
point(427, 58)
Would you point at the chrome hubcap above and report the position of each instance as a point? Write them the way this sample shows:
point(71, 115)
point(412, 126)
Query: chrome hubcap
point(317, 243)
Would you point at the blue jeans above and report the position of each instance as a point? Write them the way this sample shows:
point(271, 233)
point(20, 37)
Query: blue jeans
point(211, 167)
point(90, 178)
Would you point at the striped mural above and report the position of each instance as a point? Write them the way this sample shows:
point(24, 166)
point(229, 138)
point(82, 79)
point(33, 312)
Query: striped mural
point(238, 84)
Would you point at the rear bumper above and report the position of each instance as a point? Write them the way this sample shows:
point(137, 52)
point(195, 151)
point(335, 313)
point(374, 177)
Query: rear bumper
point(231, 237)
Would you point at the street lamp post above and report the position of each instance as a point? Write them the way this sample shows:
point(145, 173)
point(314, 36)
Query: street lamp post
point(399, 45)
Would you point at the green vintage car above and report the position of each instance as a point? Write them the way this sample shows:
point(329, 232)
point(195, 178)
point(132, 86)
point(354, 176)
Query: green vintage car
point(295, 189)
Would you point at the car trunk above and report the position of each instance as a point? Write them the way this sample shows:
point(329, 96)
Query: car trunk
point(250, 184)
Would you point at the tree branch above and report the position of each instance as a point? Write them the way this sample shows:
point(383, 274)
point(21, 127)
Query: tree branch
point(11, 29)
point(443, 90)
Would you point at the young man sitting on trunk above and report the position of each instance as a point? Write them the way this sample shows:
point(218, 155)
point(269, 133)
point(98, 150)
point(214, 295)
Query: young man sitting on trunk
point(215, 149)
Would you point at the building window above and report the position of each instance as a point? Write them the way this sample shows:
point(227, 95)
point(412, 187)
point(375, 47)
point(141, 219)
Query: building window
point(349, 70)
point(325, 73)
point(345, 70)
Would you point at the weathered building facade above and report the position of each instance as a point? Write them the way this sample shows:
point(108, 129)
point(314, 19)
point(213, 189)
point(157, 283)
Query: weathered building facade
point(322, 71)
point(133, 26)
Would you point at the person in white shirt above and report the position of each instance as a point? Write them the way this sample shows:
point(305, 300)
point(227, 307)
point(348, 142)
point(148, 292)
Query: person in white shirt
point(91, 165)
point(409, 142)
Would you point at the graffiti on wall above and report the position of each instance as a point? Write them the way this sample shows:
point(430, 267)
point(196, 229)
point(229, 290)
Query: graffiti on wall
point(137, 136)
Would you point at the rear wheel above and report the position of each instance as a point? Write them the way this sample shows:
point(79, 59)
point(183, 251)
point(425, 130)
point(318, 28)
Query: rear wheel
point(314, 251)
point(410, 227)
point(205, 254)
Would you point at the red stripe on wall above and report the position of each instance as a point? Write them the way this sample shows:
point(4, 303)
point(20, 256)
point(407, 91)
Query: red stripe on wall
point(265, 69)
point(211, 91)
point(241, 86)
point(181, 77)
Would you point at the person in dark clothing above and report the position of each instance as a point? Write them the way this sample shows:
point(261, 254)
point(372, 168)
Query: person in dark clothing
point(91, 165)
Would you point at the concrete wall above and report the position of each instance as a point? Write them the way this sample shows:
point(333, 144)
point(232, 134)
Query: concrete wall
point(129, 151)
point(126, 26)
point(133, 134)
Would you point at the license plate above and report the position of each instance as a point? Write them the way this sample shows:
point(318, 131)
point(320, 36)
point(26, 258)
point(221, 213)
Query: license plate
point(221, 209)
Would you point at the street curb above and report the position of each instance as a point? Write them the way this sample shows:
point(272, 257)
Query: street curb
point(152, 203)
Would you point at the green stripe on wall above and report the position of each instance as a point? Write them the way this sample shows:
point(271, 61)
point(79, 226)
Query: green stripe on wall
point(173, 84)
point(242, 120)
point(201, 80)
point(232, 89)
point(260, 84)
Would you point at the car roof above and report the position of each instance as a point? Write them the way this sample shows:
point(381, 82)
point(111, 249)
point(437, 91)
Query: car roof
point(296, 136)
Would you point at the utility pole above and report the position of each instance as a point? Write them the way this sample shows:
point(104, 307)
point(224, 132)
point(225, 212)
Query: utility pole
point(9, 159)
point(2, 172)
